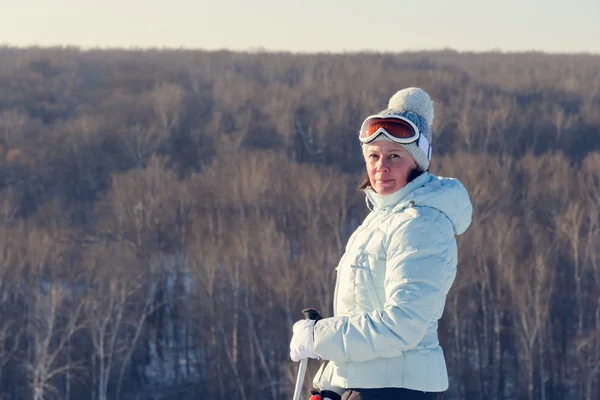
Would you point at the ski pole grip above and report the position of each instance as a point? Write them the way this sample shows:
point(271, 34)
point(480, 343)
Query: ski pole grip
point(312, 313)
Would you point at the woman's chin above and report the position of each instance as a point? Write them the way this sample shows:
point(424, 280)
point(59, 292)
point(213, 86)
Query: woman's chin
point(386, 188)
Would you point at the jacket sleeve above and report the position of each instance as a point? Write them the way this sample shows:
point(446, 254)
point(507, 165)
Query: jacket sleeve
point(419, 273)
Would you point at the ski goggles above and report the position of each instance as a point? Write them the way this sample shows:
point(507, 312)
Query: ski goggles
point(396, 128)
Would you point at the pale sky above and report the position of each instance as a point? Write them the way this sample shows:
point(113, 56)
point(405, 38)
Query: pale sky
point(306, 25)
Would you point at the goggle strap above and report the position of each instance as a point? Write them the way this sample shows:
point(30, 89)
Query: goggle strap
point(425, 146)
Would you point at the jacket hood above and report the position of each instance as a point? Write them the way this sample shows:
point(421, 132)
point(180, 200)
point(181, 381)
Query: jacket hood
point(447, 195)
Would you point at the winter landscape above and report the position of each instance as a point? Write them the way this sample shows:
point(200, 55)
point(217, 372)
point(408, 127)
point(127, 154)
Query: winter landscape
point(166, 214)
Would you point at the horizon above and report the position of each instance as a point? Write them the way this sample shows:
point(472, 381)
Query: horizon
point(292, 52)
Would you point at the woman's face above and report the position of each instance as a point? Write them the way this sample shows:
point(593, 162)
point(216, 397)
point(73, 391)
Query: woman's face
point(388, 166)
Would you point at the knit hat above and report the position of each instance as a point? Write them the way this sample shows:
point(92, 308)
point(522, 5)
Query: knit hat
point(416, 105)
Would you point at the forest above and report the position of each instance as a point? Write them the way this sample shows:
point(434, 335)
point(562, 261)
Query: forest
point(166, 214)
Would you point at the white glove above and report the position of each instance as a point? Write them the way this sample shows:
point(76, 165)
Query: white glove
point(303, 341)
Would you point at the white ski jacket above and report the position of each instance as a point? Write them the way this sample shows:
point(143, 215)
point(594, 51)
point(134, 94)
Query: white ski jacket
point(391, 288)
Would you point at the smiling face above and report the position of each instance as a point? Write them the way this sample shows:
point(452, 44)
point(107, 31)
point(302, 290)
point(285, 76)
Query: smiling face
point(388, 166)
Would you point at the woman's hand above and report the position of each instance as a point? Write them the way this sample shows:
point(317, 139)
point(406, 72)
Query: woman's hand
point(303, 342)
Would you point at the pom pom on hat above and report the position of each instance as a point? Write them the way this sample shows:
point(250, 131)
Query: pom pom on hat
point(413, 100)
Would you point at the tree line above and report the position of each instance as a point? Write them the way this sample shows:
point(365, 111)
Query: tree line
point(166, 214)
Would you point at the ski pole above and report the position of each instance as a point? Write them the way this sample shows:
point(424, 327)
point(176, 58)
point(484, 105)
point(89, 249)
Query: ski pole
point(309, 313)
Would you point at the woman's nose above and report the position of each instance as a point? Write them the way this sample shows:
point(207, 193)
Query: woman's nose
point(383, 165)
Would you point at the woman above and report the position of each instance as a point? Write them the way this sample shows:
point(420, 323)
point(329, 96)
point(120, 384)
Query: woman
point(397, 269)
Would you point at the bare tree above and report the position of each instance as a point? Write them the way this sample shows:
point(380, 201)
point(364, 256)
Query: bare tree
point(143, 207)
point(116, 306)
point(167, 101)
point(588, 343)
point(55, 318)
point(532, 287)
